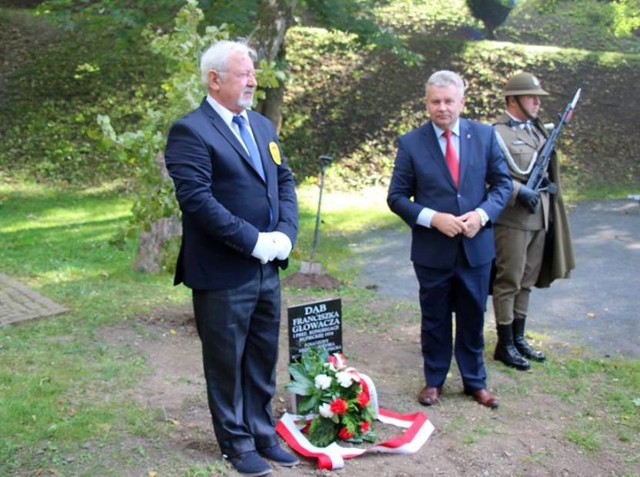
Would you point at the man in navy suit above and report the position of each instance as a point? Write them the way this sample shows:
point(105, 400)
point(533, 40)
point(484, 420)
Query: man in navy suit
point(240, 220)
point(449, 184)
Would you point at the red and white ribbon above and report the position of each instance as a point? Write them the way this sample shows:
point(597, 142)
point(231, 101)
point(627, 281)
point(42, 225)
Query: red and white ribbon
point(417, 427)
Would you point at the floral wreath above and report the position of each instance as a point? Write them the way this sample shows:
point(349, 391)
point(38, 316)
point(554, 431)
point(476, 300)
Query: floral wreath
point(335, 399)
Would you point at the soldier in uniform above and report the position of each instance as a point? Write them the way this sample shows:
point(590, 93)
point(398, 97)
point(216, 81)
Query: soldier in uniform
point(533, 239)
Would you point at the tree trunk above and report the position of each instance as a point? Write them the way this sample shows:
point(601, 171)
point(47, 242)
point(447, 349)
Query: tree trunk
point(268, 39)
point(271, 106)
point(151, 246)
point(151, 254)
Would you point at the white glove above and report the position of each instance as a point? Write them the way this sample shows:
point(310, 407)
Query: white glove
point(283, 244)
point(265, 249)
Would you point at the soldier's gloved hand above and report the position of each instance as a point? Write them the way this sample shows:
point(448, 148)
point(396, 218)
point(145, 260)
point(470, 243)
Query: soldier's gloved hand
point(550, 187)
point(528, 197)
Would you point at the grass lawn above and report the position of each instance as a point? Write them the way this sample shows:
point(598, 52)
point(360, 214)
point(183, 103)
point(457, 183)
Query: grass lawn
point(61, 386)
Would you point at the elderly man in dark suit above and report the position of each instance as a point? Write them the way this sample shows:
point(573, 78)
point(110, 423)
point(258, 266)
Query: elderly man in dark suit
point(240, 219)
point(449, 184)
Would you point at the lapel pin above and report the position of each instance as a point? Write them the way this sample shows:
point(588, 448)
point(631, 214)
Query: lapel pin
point(275, 153)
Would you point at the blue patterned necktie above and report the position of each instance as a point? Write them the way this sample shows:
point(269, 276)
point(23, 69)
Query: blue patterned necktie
point(250, 143)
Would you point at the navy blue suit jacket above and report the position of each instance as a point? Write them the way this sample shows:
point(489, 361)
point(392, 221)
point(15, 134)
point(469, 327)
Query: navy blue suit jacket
point(421, 178)
point(224, 201)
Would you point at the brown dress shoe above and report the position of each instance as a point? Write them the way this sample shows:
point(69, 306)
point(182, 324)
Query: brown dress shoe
point(429, 396)
point(484, 397)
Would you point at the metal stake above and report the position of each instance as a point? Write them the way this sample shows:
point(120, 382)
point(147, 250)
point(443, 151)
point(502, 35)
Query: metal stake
point(325, 161)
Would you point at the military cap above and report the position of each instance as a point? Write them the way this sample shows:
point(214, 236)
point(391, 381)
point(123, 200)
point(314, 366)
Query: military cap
point(523, 83)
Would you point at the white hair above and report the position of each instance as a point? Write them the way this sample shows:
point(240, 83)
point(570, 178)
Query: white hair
point(445, 78)
point(217, 55)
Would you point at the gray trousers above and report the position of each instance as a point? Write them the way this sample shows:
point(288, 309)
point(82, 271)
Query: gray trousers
point(239, 330)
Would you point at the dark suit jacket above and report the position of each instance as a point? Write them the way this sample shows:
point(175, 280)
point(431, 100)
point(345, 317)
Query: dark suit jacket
point(421, 178)
point(224, 201)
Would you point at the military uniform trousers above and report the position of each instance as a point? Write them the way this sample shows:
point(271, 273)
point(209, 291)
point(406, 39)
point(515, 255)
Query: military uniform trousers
point(517, 269)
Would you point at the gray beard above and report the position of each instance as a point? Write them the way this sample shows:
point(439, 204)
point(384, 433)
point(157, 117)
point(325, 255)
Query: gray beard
point(245, 103)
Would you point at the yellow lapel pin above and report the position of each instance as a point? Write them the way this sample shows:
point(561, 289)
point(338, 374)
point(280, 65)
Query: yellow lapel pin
point(275, 153)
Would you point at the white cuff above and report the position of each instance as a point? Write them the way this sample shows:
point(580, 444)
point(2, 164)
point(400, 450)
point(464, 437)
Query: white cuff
point(484, 218)
point(425, 217)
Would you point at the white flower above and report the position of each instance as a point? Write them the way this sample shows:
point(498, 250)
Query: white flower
point(345, 379)
point(330, 367)
point(322, 381)
point(325, 410)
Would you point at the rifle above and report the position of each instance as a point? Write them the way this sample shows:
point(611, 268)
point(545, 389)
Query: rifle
point(537, 176)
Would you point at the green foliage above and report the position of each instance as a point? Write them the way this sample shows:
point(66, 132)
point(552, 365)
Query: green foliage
point(622, 17)
point(589, 24)
point(345, 98)
point(181, 91)
point(66, 78)
point(352, 104)
point(240, 15)
point(626, 17)
point(358, 18)
point(324, 432)
point(302, 372)
point(120, 17)
point(61, 384)
point(416, 17)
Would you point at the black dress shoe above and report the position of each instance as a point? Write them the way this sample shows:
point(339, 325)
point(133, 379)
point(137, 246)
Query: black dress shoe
point(429, 395)
point(250, 464)
point(484, 397)
point(278, 455)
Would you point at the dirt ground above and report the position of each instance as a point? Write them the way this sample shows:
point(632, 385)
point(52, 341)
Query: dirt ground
point(524, 437)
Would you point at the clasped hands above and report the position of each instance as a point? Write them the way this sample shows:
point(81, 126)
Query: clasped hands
point(272, 245)
point(467, 224)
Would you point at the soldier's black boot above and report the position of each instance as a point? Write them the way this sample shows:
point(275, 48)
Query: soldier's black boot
point(521, 343)
point(506, 351)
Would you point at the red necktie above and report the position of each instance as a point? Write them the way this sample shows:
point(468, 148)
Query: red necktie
point(451, 157)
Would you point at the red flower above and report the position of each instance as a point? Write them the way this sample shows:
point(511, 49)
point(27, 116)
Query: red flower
point(339, 406)
point(305, 429)
point(364, 427)
point(363, 399)
point(344, 434)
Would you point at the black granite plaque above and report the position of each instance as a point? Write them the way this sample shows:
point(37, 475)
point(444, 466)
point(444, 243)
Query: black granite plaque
point(314, 325)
